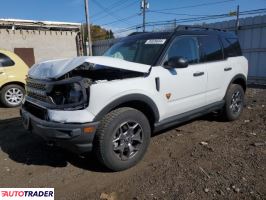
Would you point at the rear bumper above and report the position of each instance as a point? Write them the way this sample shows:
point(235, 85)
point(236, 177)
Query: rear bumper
point(67, 135)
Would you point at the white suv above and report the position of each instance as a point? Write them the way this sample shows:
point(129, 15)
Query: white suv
point(146, 82)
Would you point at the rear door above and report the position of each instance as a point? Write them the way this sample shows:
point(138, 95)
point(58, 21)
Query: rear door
point(213, 59)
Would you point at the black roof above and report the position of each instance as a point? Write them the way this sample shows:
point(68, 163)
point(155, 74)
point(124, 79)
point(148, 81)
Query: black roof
point(149, 35)
point(181, 30)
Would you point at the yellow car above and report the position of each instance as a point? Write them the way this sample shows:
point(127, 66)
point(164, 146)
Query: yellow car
point(13, 71)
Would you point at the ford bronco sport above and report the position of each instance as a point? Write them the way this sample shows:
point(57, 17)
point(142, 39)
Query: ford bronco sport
point(144, 83)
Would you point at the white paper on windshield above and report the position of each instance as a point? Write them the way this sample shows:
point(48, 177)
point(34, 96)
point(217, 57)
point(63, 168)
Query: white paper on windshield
point(155, 41)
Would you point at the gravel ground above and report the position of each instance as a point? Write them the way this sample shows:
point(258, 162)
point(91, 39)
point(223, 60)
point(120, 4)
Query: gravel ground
point(203, 159)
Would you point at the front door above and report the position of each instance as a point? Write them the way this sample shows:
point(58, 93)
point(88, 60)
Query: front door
point(183, 88)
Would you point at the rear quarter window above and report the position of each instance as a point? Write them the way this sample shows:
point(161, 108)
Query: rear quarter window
point(5, 61)
point(231, 47)
point(211, 49)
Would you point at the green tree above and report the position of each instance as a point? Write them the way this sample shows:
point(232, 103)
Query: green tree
point(97, 33)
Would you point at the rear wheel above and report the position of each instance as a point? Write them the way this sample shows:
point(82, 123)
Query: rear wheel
point(234, 102)
point(12, 95)
point(122, 138)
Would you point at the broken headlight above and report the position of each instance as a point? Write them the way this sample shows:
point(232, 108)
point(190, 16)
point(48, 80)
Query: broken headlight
point(70, 93)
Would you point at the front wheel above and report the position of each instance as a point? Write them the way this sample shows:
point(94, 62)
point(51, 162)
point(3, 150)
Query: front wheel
point(234, 102)
point(122, 138)
point(12, 95)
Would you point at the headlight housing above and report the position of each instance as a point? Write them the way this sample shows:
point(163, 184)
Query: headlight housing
point(68, 93)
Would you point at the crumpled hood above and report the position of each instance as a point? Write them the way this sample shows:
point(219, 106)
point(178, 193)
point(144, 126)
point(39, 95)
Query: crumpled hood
point(56, 68)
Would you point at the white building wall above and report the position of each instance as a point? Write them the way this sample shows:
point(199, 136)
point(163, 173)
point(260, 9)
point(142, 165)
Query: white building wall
point(46, 44)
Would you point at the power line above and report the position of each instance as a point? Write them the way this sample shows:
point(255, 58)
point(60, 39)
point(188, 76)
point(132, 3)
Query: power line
point(112, 6)
point(109, 12)
point(249, 12)
point(257, 11)
point(197, 5)
point(124, 19)
point(115, 9)
point(177, 14)
point(195, 19)
point(159, 11)
point(187, 20)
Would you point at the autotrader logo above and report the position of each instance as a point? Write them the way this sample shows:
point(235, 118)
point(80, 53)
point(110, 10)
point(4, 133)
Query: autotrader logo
point(26, 193)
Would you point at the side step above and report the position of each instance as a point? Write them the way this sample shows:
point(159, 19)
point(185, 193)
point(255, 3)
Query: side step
point(181, 118)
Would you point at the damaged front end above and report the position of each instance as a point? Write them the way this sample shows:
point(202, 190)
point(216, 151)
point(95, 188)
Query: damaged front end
point(65, 84)
point(58, 93)
point(68, 94)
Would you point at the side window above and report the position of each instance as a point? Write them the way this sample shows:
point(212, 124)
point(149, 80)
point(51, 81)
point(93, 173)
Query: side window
point(231, 47)
point(5, 61)
point(211, 49)
point(184, 46)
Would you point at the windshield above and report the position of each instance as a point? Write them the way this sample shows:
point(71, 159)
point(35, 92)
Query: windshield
point(140, 51)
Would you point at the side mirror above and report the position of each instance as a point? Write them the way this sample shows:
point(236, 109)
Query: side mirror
point(176, 62)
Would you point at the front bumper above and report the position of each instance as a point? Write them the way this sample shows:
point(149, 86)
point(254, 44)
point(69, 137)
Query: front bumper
point(67, 135)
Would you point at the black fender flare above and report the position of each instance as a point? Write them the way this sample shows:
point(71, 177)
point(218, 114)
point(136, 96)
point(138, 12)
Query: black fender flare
point(238, 76)
point(128, 98)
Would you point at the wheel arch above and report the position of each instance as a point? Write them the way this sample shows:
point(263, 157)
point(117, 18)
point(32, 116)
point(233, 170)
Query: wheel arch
point(13, 83)
point(239, 79)
point(140, 102)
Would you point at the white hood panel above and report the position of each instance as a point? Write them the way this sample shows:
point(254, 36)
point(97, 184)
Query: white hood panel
point(56, 68)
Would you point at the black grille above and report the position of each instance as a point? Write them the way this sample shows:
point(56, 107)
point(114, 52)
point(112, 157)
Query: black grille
point(32, 84)
point(36, 90)
point(35, 110)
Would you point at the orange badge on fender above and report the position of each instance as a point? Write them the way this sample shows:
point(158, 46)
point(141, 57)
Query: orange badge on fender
point(168, 95)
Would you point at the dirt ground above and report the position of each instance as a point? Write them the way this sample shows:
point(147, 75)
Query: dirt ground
point(203, 159)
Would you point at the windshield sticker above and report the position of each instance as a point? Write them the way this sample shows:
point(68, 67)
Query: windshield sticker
point(155, 41)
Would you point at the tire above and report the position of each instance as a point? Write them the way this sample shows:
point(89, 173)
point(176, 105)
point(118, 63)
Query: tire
point(118, 145)
point(234, 102)
point(10, 101)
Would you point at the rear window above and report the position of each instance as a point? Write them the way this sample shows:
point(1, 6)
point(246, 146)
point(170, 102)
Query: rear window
point(231, 47)
point(211, 49)
point(5, 61)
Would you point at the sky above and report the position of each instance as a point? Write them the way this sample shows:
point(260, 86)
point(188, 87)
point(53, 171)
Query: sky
point(109, 13)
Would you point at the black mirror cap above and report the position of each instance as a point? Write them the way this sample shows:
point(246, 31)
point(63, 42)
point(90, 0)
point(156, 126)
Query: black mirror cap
point(176, 62)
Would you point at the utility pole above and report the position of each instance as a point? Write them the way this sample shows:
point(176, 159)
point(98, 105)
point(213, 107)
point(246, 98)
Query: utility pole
point(237, 19)
point(144, 6)
point(87, 16)
point(174, 23)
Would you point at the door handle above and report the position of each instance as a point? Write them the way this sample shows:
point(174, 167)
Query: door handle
point(227, 69)
point(1, 72)
point(198, 74)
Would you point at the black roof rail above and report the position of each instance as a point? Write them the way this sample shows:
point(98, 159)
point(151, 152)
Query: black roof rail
point(187, 27)
point(136, 33)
